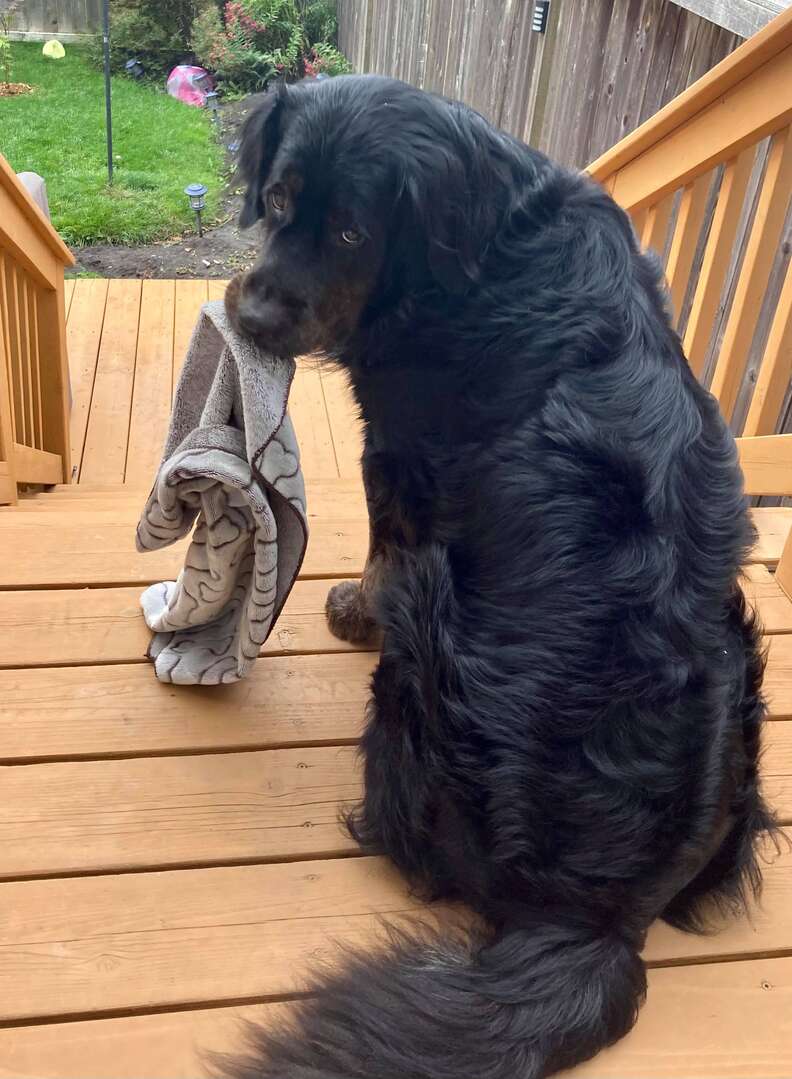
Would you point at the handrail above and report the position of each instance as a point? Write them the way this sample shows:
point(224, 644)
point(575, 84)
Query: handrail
point(34, 376)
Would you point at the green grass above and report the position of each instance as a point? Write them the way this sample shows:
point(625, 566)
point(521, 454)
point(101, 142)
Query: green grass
point(159, 145)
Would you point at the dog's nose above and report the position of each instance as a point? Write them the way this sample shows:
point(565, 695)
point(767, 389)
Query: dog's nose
point(263, 313)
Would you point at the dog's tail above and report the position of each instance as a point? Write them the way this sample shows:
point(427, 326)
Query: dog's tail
point(524, 1005)
point(519, 1003)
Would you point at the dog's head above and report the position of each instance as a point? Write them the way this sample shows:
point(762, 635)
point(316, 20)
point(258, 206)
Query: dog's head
point(366, 189)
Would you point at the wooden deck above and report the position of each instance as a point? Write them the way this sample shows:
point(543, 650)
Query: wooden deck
point(170, 858)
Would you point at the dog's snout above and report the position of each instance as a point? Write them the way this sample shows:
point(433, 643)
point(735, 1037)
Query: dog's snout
point(264, 311)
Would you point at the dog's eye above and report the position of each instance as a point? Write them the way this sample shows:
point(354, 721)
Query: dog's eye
point(278, 199)
point(352, 238)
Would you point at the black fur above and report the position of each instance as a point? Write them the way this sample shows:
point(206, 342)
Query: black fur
point(564, 726)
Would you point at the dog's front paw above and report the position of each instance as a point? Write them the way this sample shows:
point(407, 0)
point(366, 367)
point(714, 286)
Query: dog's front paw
point(346, 613)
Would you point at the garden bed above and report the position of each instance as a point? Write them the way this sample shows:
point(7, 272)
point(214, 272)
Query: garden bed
point(221, 252)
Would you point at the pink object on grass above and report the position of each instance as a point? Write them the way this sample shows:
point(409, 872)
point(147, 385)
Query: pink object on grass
point(190, 84)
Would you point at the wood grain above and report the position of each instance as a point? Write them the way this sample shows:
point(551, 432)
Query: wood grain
point(151, 395)
point(189, 297)
point(104, 456)
point(768, 598)
point(122, 710)
point(755, 271)
point(73, 945)
point(46, 628)
point(311, 423)
point(345, 423)
point(100, 816)
point(722, 1021)
point(84, 333)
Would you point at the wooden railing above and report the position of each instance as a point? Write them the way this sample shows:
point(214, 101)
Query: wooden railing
point(707, 182)
point(34, 376)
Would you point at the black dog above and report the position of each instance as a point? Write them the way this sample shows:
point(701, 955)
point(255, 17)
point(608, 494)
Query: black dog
point(565, 719)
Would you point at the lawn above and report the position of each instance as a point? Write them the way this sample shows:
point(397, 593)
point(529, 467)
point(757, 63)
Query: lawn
point(159, 144)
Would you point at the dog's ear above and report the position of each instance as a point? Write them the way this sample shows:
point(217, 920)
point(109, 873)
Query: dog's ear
point(259, 143)
point(439, 179)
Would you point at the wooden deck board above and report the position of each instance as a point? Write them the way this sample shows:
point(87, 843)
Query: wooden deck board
point(47, 628)
point(151, 394)
point(168, 848)
point(122, 710)
point(152, 813)
point(104, 456)
point(70, 626)
point(83, 335)
point(142, 940)
point(720, 1021)
point(97, 546)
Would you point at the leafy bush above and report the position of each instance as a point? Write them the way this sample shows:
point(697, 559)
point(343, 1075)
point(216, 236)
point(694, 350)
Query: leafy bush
point(156, 32)
point(325, 59)
point(256, 40)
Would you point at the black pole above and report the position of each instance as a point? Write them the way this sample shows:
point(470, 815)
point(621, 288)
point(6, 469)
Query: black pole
point(108, 109)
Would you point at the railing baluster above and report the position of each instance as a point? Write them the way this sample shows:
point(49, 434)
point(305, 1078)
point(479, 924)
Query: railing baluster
point(35, 362)
point(776, 368)
point(655, 227)
point(686, 234)
point(760, 252)
point(5, 328)
point(716, 258)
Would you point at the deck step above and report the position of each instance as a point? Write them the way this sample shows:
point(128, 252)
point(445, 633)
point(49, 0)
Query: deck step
point(719, 1021)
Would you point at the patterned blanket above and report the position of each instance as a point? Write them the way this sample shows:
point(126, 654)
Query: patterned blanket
point(231, 466)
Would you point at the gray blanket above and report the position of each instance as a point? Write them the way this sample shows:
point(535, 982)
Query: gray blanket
point(231, 466)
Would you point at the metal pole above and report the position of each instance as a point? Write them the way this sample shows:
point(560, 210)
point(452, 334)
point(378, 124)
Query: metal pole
point(108, 109)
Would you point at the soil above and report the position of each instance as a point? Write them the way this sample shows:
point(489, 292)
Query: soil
point(222, 250)
point(13, 89)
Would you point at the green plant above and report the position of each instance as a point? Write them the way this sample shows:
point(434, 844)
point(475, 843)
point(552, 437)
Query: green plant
point(320, 21)
point(255, 40)
point(156, 32)
point(8, 9)
point(325, 59)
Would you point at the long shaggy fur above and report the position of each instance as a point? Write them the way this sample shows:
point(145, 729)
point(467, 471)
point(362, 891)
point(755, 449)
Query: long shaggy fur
point(565, 720)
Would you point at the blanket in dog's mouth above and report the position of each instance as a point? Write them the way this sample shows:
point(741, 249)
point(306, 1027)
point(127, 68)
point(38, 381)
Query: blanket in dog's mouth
point(231, 465)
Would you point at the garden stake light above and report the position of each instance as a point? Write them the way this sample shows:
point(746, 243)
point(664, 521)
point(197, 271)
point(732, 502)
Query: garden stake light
point(196, 193)
point(210, 99)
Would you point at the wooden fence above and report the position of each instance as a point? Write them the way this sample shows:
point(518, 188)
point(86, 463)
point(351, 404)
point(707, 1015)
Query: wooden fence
point(600, 69)
point(34, 374)
point(68, 20)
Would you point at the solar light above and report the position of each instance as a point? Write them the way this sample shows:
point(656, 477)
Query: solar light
point(210, 98)
point(540, 13)
point(134, 68)
point(196, 193)
point(199, 81)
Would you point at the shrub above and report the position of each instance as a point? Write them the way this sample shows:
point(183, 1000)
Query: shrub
point(256, 40)
point(157, 32)
point(325, 59)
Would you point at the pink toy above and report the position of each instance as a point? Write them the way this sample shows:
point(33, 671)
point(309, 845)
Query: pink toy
point(190, 84)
